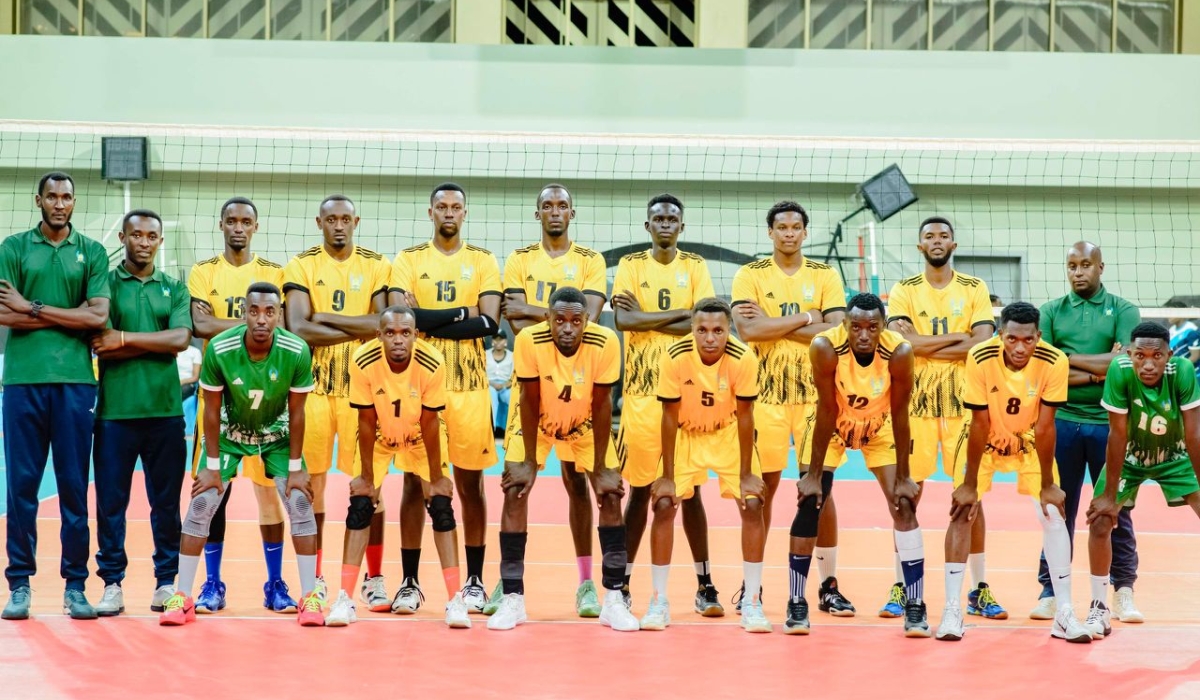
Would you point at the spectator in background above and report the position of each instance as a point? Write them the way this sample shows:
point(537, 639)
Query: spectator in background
point(1185, 336)
point(499, 374)
point(188, 363)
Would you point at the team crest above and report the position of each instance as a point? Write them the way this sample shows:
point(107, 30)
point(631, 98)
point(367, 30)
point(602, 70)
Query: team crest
point(956, 307)
point(1108, 311)
point(412, 394)
point(1029, 390)
point(876, 387)
point(467, 272)
point(579, 376)
point(681, 280)
point(722, 385)
point(166, 292)
point(356, 283)
point(569, 272)
point(79, 256)
point(274, 375)
point(809, 292)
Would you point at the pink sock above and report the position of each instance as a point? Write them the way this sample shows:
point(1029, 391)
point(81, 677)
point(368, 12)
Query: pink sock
point(585, 568)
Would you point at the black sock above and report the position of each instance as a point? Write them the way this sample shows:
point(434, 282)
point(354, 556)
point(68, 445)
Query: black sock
point(475, 561)
point(512, 561)
point(410, 562)
point(614, 556)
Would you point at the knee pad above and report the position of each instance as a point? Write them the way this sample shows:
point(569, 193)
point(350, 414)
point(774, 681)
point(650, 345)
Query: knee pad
point(441, 511)
point(200, 513)
point(298, 508)
point(358, 517)
point(807, 517)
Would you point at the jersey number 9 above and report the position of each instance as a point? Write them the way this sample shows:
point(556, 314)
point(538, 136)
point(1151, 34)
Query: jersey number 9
point(339, 300)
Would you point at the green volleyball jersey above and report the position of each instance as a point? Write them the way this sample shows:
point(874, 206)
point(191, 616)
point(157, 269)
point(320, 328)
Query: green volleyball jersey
point(1155, 413)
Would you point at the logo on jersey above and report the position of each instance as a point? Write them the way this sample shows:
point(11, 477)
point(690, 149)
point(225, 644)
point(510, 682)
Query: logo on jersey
point(79, 256)
point(424, 276)
point(681, 280)
point(412, 394)
point(213, 293)
point(379, 391)
point(956, 307)
point(1108, 311)
point(167, 292)
point(1029, 390)
point(467, 272)
point(809, 292)
point(237, 382)
point(273, 374)
point(356, 283)
point(579, 376)
point(876, 387)
point(569, 272)
point(688, 382)
point(722, 385)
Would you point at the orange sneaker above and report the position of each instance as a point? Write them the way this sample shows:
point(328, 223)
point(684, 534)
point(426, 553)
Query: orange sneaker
point(178, 610)
point(311, 614)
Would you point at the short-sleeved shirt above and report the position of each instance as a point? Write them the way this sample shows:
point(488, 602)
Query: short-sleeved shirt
point(441, 281)
point(784, 369)
point(567, 383)
point(864, 394)
point(398, 397)
point(959, 307)
point(63, 276)
point(223, 286)
point(707, 394)
point(146, 386)
point(337, 287)
point(1079, 326)
point(1155, 432)
point(677, 285)
point(186, 360)
point(1014, 398)
point(254, 406)
point(530, 271)
point(499, 371)
point(1184, 339)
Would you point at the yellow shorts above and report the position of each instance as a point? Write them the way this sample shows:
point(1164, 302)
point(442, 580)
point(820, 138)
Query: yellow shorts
point(514, 445)
point(878, 451)
point(468, 422)
point(778, 426)
point(1027, 467)
point(326, 418)
point(252, 465)
point(697, 453)
point(930, 433)
point(639, 440)
point(410, 459)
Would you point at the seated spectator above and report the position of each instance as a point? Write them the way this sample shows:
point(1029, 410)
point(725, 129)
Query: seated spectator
point(499, 374)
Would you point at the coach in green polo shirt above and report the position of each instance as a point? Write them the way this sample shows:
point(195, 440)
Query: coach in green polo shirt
point(140, 413)
point(1089, 324)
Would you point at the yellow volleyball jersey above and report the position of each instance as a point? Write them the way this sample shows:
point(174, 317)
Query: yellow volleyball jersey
point(957, 308)
point(339, 287)
point(567, 382)
point(1013, 399)
point(707, 394)
point(677, 285)
point(785, 373)
point(864, 394)
point(530, 271)
point(441, 281)
point(223, 286)
point(398, 397)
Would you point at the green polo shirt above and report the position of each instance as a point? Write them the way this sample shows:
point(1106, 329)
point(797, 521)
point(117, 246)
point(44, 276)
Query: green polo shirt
point(146, 386)
point(1079, 326)
point(64, 276)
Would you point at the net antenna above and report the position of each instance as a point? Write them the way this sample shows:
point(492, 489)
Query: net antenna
point(885, 194)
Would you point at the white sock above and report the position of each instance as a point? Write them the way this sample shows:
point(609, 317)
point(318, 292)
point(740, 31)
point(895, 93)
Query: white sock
point(954, 583)
point(1100, 588)
point(752, 575)
point(658, 577)
point(911, 548)
point(629, 569)
point(188, 565)
point(702, 568)
point(307, 563)
point(978, 564)
point(826, 561)
point(899, 570)
point(1057, 546)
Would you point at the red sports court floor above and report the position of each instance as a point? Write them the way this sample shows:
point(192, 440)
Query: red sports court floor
point(245, 652)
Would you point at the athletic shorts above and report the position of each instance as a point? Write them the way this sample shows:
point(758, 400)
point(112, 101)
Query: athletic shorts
point(878, 451)
point(326, 418)
point(778, 426)
point(697, 453)
point(408, 458)
point(468, 419)
point(252, 466)
point(1026, 465)
point(567, 451)
point(928, 434)
point(1176, 479)
point(639, 440)
point(274, 456)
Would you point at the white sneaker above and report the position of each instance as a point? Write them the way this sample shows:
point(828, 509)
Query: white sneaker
point(321, 590)
point(161, 595)
point(951, 627)
point(510, 613)
point(342, 612)
point(1099, 620)
point(1124, 609)
point(374, 595)
point(408, 599)
point(112, 602)
point(753, 619)
point(474, 595)
point(658, 615)
point(614, 614)
point(1045, 609)
point(456, 614)
point(1068, 628)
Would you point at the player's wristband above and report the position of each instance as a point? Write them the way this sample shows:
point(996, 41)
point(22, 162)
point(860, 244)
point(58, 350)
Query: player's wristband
point(214, 463)
point(294, 465)
point(809, 317)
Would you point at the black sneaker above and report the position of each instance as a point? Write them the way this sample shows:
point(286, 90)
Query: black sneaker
point(708, 602)
point(831, 600)
point(916, 623)
point(797, 617)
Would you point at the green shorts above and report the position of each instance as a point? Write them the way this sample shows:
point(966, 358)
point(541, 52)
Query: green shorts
point(1176, 479)
point(274, 455)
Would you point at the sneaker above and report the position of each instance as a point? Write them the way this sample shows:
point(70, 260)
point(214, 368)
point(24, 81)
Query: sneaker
point(212, 597)
point(981, 602)
point(708, 602)
point(374, 594)
point(916, 623)
point(165, 591)
point(1045, 610)
point(342, 612)
point(753, 619)
point(493, 601)
point(456, 614)
point(951, 627)
point(658, 614)
point(321, 590)
point(739, 598)
point(894, 607)
point(177, 610)
point(112, 602)
point(311, 608)
point(1068, 628)
point(797, 617)
point(627, 597)
point(510, 612)
point(1124, 609)
point(18, 604)
point(614, 614)
point(474, 596)
point(587, 604)
point(1099, 620)
point(76, 604)
point(275, 597)
point(831, 600)
point(408, 599)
